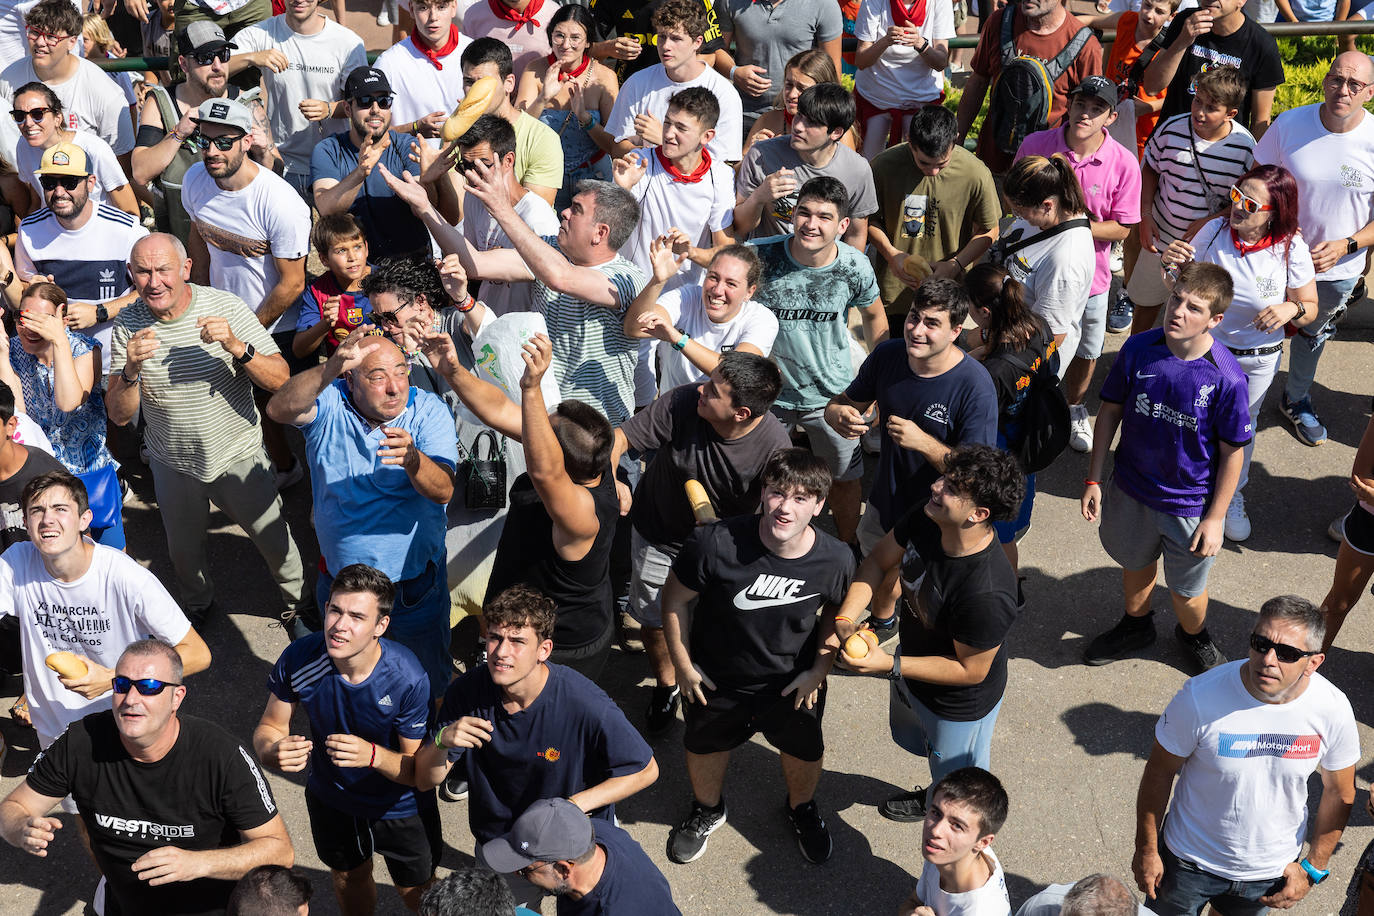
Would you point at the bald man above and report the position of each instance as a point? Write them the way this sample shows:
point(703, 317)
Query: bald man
point(382, 456)
point(189, 357)
point(1329, 148)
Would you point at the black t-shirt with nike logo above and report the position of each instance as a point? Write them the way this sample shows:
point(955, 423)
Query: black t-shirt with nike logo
point(754, 627)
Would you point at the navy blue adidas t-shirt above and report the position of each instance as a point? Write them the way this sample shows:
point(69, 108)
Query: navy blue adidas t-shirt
point(392, 703)
point(571, 737)
point(630, 882)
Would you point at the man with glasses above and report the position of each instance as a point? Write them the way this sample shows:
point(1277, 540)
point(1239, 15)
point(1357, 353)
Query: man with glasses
point(248, 238)
point(1242, 740)
point(167, 120)
point(197, 352)
point(91, 100)
point(304, 58)
point(161, 796)
point(382, 456)
point(344, 174)
point(83, 246)
point(1329, 148)
point(45, 584)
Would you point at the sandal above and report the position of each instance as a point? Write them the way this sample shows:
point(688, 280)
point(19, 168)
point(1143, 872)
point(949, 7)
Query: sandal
point(19, 712)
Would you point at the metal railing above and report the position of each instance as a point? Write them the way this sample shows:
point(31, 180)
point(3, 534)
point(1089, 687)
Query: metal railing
point(1277, 29)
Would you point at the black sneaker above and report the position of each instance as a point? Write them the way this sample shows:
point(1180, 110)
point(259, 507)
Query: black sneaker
point(687, 841)
point(907, 807)
point(883, 629)
point(813, 837)
point(662, 711)
point(1129, 635)
point(454, 787)
point(1200, 648)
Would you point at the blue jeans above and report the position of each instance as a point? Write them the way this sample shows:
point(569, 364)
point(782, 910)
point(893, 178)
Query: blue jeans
point(419, 620)
point(947, 745)
point(1186, 889)
point(1305, 351)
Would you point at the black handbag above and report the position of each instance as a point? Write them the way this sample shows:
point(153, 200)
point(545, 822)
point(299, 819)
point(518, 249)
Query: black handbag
point(483, 479)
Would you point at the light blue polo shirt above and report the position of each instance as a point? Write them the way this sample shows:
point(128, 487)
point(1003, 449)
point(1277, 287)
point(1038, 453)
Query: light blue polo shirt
point(366, 511)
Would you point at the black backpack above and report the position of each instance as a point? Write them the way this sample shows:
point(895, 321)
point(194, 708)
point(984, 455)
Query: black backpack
point(1024, 90)
point(1044, 415)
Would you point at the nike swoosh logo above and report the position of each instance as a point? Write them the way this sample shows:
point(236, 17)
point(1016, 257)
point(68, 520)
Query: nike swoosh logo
point(745, 603)
point(1139, 374)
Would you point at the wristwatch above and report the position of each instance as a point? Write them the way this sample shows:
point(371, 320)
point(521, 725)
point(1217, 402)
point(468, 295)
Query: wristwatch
point(1314, 874)
point(896, 673)
point(248, 354)
point(1351, 246)
point(1302, 309)
point(102, 314)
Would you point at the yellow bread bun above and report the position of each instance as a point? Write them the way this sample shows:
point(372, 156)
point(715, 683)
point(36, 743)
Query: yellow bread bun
point(66, 664)
point(473, 106)
point(701, 503)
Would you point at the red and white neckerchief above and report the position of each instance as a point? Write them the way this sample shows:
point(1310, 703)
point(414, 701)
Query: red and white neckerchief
point(508, 14)
point(565, 75)
point(1247, 247)
point(913, 15)
point(435, 55)
point(677, 174)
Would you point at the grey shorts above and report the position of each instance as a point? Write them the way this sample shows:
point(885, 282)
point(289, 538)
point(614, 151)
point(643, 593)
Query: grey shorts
point(843, 456)
point(1146, 285)
point(871, 529)
point(1134, 535)
point(651, 565)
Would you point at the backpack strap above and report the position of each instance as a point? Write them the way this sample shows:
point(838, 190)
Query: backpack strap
point(1137, 72)
point(1008, 40)
point(1065, 226)
point(165, 108)
point(1068, 54)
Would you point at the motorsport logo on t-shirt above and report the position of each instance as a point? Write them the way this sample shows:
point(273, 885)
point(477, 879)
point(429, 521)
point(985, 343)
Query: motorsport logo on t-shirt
point(1291, 747)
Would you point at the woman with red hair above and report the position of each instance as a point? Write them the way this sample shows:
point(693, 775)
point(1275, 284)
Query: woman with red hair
point(1259, 244)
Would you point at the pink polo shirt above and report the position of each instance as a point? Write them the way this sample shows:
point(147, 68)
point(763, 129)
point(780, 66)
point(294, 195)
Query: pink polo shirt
point(529, 43)
point(1111, 185)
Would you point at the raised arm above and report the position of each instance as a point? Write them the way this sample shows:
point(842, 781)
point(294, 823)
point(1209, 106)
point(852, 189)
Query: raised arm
point(480, 396)
point(294, 402)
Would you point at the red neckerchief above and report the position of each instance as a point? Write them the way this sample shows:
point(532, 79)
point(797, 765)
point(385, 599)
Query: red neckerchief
point(433, 55)
point(501, 11)
point(677, 174)
point(564, 76)
point(914, 15)
point(1246, 247)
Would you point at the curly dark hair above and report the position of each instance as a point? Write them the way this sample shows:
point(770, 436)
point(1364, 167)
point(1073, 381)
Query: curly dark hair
point(990, 477)
point(522, 606)
point(406, 278)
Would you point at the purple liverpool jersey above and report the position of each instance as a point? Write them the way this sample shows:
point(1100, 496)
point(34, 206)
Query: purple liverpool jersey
point(1175, 414)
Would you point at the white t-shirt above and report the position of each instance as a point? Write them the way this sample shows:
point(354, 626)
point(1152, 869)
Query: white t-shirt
point(91, 101)
point(1240, 803)
point(31, 434)
point(319, 65)
point(100, 160)
point(91, 262)
point(697, 208)
point(989, 900)
point(1058, 275)
point(245, 230)
point(899, 78)
point(1335, 175)
point(755, 324)
point(13, 38)
point(649, 90)
point(115, 603)
point(421, 88)
point(484, 234)
point(1261, 278)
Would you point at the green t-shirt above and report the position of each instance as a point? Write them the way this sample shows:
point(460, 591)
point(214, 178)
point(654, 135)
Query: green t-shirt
point(812, 305)
point(538, 153)
point(929, 217)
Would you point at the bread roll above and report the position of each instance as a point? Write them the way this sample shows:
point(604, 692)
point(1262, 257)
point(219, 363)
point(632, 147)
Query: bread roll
point(701, 503)
point(66, 664)
point(473, 106)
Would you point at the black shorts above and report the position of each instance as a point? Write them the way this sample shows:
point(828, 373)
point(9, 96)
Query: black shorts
point(731, 718)
point(411, 846)
point(1359, 530)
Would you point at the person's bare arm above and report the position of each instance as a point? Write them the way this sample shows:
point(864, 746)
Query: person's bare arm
point(1261, 111)
point(857, 233)
point(485, 400)
point(24, 822)
point(268, 844)
point(150, 161)
point(273, 742)
point(195, 654)
point(1151, 799)
point(615, 789)
point(396, 765)
point(287, 291)
point(970, 103)
point(200, 257)
point(123, 198)
point(874, 319)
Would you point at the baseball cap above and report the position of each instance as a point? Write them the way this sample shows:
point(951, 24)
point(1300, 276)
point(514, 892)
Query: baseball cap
point(1098, 86)
point(224, 111)
point(366, 81)
point(550, 830)
point(202, 36)
point(64, 159)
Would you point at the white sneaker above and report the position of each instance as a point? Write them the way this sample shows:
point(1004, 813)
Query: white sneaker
point(1336, 530)
point(1080, 429)
point(1237, 522)
point(384, 17)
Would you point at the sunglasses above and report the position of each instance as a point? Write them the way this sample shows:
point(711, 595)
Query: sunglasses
point(367, 101)
point(1284, 652)
point(390, 319)
point(1248, 204)
point(530, 869)
point(148, 686)
point(34, 114)
point(224, 143)
point(206, 58)
point(51, 183)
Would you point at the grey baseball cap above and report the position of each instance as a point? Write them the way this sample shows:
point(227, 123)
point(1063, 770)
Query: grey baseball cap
point(224, 111)
point(202, 36)
point(550, 830)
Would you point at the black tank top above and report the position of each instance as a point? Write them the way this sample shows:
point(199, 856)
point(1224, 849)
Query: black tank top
point(525, 555)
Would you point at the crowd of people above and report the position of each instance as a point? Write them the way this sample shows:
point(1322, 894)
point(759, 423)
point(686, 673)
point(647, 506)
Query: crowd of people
point(577, 320)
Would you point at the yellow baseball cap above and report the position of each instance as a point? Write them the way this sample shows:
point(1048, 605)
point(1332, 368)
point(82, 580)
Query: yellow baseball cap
point(64, 159)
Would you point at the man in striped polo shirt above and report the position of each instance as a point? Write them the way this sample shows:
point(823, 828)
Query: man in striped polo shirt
point(189, 356)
